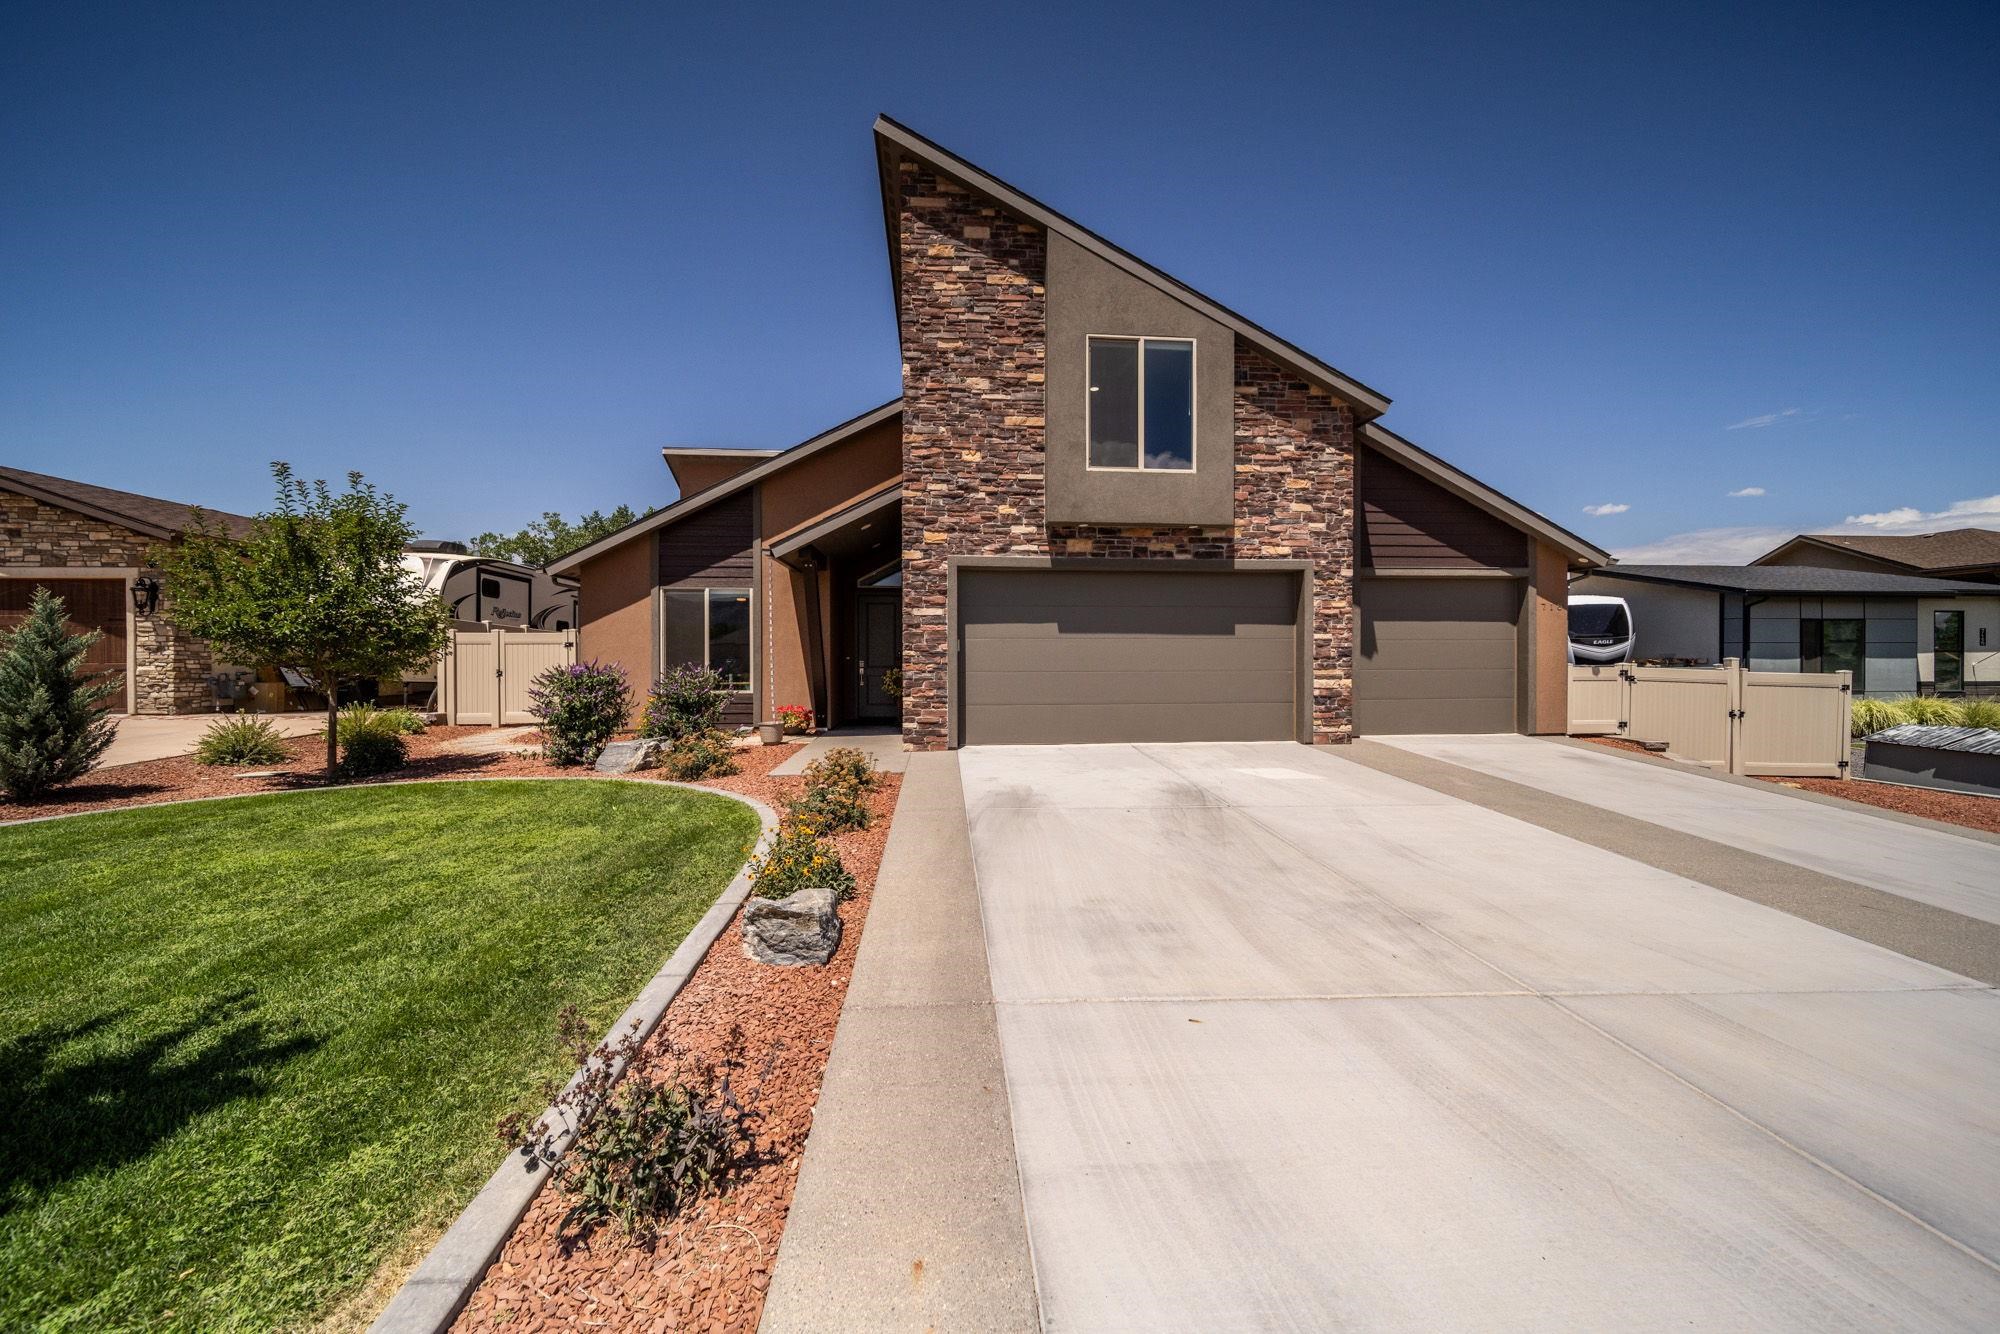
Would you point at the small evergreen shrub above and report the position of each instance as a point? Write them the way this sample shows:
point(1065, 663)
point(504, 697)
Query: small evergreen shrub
point(54, 723)
point(686, 701)
point(645, 1148)
point(698, 756)
point(799, 858)
point(368, 753)
point(242, 741)
point(578, 708)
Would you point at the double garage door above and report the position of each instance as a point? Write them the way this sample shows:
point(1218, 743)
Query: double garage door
point(91, 604)
point(1054, 656)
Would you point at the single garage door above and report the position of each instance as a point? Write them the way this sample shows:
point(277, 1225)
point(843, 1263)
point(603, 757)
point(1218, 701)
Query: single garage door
point(1052, 656)
point(1435, 655)
point(90, 604)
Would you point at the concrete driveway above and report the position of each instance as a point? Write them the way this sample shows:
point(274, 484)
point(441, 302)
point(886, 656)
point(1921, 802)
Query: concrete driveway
point(142, 737)
point(1291, 1043)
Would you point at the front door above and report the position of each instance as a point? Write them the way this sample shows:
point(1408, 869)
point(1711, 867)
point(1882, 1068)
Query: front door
point(878, 634)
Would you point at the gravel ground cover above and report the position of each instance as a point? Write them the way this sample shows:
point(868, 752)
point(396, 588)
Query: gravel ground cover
point(709, 1269)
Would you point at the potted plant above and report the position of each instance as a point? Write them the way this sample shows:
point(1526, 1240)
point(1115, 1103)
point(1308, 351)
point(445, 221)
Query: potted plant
point(797, 719)
point(771, 733)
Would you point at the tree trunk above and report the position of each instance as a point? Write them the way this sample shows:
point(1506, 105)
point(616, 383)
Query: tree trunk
point(332, 726)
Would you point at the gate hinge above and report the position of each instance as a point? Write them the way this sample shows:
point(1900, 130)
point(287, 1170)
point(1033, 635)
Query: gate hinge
point(1736, 713)
point(1843, 764)
point(1845, 688)
point(1622, 724)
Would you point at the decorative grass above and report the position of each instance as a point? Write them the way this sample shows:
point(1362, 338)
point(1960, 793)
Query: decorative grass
point(1880, 713)
point(249, 1045)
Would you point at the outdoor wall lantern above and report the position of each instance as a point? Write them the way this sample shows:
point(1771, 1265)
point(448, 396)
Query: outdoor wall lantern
point(145, 596)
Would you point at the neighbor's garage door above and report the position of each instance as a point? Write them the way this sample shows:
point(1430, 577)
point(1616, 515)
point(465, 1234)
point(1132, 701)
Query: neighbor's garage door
point(91, 604)
point(1435, 655)
point(1051, 656)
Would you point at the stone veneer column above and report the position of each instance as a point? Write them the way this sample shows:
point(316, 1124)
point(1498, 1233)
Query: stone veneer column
point(974, 323)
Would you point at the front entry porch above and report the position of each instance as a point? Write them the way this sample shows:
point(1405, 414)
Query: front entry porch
point(847, 589)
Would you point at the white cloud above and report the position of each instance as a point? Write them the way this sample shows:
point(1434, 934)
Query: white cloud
point(1601, 510)
point(1765, 419)
point(1748, 491)
point(1741, 545)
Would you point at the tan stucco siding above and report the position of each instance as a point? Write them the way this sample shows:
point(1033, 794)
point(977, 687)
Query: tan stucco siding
point(832, 478)
point(615, 611)
point(1548, 623)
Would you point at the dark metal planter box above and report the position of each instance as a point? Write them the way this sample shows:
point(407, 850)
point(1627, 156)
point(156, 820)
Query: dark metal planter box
point(1953, 759)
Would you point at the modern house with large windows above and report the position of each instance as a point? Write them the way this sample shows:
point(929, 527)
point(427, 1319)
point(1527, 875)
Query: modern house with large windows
point(1104, 508)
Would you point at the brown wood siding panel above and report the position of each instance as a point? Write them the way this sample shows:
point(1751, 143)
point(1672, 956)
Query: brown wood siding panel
point(1407, 522)
point(711, 548)
point(89, 604)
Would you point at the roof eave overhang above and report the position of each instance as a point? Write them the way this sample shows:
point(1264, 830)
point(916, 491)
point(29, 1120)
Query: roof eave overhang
point(893, 140)
point(722, 490)
point(1467, 488)
point(75, 506)
point(788, 545)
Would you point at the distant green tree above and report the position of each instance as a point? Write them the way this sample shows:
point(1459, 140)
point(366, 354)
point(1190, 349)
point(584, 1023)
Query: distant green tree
point(318, 586)
point(553, 536)
point(54, 721)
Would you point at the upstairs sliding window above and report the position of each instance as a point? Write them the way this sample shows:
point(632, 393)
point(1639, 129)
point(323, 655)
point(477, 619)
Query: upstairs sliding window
point(1141, 404)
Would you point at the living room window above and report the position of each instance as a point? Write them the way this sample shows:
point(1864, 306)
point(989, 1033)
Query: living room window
point(1141, 404)
point(709, 627)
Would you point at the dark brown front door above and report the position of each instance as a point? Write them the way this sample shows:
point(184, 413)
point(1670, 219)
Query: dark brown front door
point(91, 604)
point(878, 634)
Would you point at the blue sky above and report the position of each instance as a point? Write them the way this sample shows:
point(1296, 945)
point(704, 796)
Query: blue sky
point(1599, 255)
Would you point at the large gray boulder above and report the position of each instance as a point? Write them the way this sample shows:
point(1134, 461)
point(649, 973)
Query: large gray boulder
point(798, 929)
point(624, 757)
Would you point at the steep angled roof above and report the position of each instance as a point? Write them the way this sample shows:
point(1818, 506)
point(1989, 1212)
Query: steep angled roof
point(142, 514)
point(1951, 549)
point(686, 505)
point(1806, 579)
point(893, 139)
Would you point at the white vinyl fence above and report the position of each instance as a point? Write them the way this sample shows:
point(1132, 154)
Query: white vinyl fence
point(1762, 724)
point(484, 674)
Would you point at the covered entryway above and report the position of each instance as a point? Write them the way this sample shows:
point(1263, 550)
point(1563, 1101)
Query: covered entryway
point(1048, 656)
point(1435, 655)
point(102, 605)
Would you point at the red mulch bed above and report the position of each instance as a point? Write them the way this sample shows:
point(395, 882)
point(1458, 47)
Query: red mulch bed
point(1959, 808)
point(1618, 743)
point(709, 1269)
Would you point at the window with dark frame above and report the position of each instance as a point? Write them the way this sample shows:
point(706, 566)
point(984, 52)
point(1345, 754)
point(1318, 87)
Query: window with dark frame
point(1948, 652)
point(1834, 644)
point(1140, 404)
point(709, 627)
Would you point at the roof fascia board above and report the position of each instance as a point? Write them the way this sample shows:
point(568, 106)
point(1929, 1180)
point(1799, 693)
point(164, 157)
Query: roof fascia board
point(1512, 512)
point(813, 530)
point(1357, 395)
point(701, 500)
point(75, 506)
point(1614, 572)
point(1945, 588)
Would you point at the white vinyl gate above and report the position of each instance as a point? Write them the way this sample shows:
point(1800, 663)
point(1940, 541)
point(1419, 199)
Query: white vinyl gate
point(485, 674)
point(1761, 724)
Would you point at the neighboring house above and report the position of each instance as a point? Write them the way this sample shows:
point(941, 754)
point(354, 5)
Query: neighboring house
point(1893, 631)
point(1105, 508)
point(1958, 553)
point(88, 545)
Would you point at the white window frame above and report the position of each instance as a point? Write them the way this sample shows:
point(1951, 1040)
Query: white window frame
point(750, 668)
point(1194, 396)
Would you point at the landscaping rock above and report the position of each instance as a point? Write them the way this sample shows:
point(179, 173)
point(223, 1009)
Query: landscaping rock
point(798, 929)
point(624, 757)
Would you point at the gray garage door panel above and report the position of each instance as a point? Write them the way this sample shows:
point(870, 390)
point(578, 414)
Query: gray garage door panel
point(1052, 656)
point(1435, 655)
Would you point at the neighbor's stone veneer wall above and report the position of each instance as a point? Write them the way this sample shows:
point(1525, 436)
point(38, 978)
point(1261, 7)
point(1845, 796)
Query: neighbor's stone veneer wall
point(172, 666)
point(974, 321)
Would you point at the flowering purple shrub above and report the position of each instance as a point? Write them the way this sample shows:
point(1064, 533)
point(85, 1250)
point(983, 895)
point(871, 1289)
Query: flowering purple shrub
point(579, 707)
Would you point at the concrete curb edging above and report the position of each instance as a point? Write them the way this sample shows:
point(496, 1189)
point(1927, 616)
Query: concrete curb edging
point(438, 1288)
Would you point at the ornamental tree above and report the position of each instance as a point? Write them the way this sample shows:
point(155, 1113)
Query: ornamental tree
point(319, 586)
point(54, 716)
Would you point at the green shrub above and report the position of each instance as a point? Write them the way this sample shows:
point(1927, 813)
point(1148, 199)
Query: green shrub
point(368, 753)
point(686, 701)
point(799, 858)
point(1980, 713)
point(698, 756)
point(241, 741)
point(1876, 715)
point(368, 717)
point(832, 807)
point(1931, 711)
point(645, 1148)
point(578, 708)
point(54, 723)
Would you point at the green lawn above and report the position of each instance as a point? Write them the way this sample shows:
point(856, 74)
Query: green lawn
point(246, 1046)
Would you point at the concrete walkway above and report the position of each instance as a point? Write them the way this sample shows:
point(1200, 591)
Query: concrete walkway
point(884, 745)
point(1292, 1043)
point(143, 737)
point(1957, 873)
